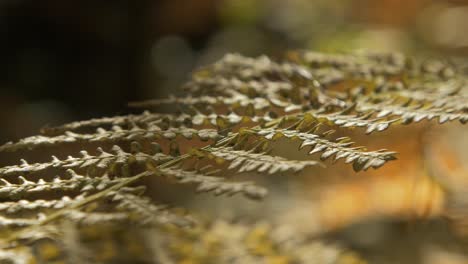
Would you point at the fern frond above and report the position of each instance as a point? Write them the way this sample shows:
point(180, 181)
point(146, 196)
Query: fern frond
point(350, 121)
point(236, 101)
point(33, 207)
point(217, 185)
point(369, 65)
point(142, 120)
point(73, 182)
point(251, 88)
point(114, 162)
point(340, 149)
point(164, 121)
point(248, 161)
point(245, 68)
point(239, 105)
point(96, 218)
point(146, 213)
point(413, 113)
point(105, 136)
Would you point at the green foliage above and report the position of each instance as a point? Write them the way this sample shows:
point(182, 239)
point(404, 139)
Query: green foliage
point(235, 111)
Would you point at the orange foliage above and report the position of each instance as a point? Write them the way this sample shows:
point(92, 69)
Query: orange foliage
point(404, 188)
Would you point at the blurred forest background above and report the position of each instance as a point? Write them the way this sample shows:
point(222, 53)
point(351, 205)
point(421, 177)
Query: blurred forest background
point(70, 60)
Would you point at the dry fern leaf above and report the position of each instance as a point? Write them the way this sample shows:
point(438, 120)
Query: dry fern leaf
point(239, 105)
point(116, 135)
point(115, 162)
point(163, 121)
point(248, 161)
point(72, 183)
point(145, 119)
point(340, 149)
point(146, 212)
point(237, 101)
point(217, 185)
